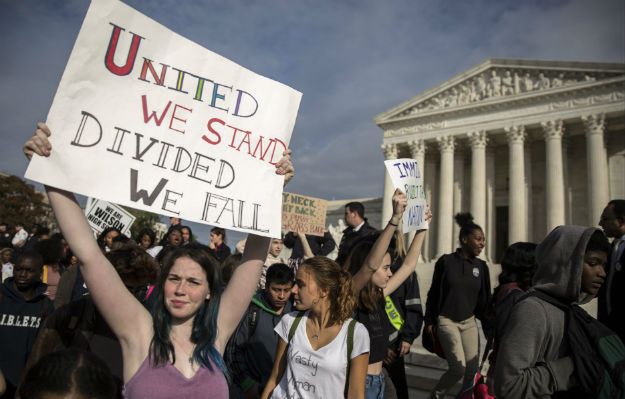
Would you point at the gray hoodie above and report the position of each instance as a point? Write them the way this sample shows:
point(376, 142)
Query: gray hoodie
point(533, 361)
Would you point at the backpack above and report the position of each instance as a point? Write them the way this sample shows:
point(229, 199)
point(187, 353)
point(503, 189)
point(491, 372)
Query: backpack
point(350, 343)
point(598, 355)
point(229, 353)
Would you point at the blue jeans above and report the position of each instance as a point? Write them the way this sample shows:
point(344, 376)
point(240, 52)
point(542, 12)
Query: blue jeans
point(374, 386)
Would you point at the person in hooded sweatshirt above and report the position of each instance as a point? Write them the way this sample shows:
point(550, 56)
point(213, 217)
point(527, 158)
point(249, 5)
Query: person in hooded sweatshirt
point(23, 306)
point(534, 360)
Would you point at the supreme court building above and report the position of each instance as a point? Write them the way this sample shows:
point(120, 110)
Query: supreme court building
point(523, 145)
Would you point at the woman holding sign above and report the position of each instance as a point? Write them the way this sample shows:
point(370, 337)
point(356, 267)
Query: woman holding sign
point(177, 350)
point(369, 262)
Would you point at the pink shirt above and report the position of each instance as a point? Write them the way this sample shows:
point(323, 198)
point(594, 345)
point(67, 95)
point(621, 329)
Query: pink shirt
point(167, 382)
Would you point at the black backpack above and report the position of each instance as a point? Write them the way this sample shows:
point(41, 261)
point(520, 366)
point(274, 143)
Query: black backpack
point(597, 352)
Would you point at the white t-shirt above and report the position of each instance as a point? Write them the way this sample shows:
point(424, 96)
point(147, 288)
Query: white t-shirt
point(319, 374)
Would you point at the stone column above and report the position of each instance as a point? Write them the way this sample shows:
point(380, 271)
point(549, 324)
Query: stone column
point(554, 180)
point(478, 142)
point(597, 164)
point(417, 152)
point(390, 152)
point(517, 212)
point(459, 190)
point(491, 237)
point(444, 211)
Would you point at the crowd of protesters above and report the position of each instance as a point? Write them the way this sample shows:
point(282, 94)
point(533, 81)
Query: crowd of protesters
point(137, 317)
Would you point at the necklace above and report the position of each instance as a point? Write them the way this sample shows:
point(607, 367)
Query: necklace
point(315, 335)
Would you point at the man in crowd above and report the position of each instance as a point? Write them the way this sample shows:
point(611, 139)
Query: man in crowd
point(358, 227)
point(23, 307)
point(612, 295)
point(252, 348)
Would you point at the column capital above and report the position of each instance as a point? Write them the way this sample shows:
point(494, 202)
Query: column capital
point(478, 139)
point(553, 129)
point(594, 123)
point(446, 143)
point(417, 148)
point(390, 151)
point(516, 134)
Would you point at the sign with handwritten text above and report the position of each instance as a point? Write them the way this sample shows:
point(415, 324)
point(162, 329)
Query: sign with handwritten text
point(303, 214)
point(145, 118)
point(406, 175)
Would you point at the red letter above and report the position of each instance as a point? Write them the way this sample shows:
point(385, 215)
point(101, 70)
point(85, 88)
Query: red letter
point(210, 129)
point(147, 118)
point(109, 59)
point(147, 64)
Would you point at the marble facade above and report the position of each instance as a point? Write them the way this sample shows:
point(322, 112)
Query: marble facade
point(523, 145)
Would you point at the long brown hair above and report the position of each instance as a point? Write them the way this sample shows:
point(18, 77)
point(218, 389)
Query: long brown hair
point(329, 276)
point(370, 295)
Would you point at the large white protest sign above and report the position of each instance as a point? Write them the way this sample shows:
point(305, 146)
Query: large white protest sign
point(146, 118)
point(406, 175)
point(101, 215)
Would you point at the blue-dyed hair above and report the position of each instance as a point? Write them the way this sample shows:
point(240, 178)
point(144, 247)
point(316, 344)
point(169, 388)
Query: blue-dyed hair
point(204, 330)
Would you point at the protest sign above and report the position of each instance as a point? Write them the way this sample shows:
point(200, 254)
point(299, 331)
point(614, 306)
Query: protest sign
point(145, 118)
point(406, 175)
point(303, 214)
point(101, 214)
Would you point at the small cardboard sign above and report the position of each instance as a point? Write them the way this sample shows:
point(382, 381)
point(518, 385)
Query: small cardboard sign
point(102, 214)
point(406, 175)
point(303, 214)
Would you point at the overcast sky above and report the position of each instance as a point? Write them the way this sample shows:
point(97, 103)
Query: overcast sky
point(351, 60)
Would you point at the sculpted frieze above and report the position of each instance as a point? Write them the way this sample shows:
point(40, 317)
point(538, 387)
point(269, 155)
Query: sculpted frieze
point(502, 82)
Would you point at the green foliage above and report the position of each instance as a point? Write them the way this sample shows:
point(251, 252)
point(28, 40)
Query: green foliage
point(21, 204)
point(144, 220)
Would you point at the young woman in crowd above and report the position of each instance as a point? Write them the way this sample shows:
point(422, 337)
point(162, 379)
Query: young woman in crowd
point(177, 350)
point(106, 237)
point(460, 291)
point(146, 238)
point(187, 235)
point(313, 358)
point(517, 269)
point(217, 244)
point(370, 263)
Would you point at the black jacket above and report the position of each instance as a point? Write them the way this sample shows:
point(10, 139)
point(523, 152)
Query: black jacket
point(19, 323)
point(438, 290)
point(407, 301)
point(318, 245)
point(349, 239)
point(612, 297)
point(254, 344)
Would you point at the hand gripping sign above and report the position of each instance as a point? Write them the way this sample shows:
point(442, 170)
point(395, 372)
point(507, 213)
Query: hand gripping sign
point(145, 118)
point(406, 175)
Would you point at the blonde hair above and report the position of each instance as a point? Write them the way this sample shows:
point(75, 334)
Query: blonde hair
point(329, 276)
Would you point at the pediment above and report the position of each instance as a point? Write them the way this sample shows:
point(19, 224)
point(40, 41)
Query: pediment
point(499, 80)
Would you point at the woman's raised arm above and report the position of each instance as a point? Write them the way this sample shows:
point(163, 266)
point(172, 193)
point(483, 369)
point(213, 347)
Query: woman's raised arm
point(410, 261)
point(376, 255)
point(238, 294)
point(128, 319)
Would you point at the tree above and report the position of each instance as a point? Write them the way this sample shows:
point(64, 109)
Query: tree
point(21, 204)
point(143, 220)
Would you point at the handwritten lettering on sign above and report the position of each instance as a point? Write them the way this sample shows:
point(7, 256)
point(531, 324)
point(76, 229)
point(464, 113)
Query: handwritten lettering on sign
point(161, 124)
point(303, 214)
point(406, 175)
